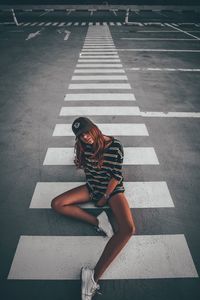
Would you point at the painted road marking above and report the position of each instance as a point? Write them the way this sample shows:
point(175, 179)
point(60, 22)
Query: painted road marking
point(61, 24)
point(101, 40)
point(61, 257)
point(33, 24)
point(32, 35)
point(46, 12)
point(163, 69)
point(116, 129)
point(98, 56)
point(97, 48)
point(98, 51)
point(139, 194)
point(47, 24)
point(26, 24)
point(67, 34)
point(41, 24)
point(99, 71)
point(99, 65)
point(99, 37)
point(100, 96)
point(99, 60)
point(132, 156)
point(100, 111)
point(104, 86)
point(159, 50)
point(173, 114)
point(178, 29)
point(157, 39)
point(99, 77)
point(98, 43)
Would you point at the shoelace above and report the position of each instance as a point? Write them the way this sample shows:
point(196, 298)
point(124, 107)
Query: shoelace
point(100, 230)
point(94, 291)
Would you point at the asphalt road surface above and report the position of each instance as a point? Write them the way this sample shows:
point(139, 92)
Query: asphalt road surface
point(138, 82)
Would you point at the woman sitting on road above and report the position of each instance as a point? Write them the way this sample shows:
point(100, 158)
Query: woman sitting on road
point(101, 157)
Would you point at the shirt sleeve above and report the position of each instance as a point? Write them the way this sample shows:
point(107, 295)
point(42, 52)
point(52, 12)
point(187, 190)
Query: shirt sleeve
point(116, 171)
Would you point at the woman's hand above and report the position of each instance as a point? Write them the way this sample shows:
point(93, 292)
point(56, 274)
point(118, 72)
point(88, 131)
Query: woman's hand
point(101, 202)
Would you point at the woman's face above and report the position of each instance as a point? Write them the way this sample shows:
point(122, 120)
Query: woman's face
point(86, 138)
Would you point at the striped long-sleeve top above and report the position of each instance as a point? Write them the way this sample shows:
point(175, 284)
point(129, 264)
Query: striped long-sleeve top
point(97, 179)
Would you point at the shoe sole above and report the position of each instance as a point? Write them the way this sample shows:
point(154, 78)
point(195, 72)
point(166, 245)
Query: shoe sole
point(83, 280)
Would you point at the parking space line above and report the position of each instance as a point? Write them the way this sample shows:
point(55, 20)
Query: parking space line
point(46, 12)
point(178, 29)
point(158, 39)
point(174, 114)
point(159, 50)
point(163, 69)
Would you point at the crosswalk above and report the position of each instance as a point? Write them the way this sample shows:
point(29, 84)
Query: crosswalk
point(145, 256)
point(75, 24)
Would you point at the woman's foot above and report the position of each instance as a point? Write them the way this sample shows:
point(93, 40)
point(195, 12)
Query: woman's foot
point(104, 224)
point(88, 286)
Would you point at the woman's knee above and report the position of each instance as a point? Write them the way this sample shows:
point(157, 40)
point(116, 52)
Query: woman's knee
point(56, 203)
point(127, 229)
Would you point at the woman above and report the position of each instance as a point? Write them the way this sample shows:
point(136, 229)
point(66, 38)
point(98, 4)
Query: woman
point(101, 158)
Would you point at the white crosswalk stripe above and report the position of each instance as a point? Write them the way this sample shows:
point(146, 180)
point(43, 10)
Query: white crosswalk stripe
point(100, 77)
point(59, 257)
point(100, 111)
point(98, 71)
point(99, 65)
point(98, 56)
point(82, 86)
point(117, 129)
point(98, 60)
point(100, 96)
point(139, 194)
point(132, 156)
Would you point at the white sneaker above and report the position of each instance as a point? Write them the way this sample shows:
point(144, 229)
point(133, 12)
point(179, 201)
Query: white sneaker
point(104, 224)
point(88, 286)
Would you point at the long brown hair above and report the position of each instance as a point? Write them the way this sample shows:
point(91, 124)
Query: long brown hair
point(98, 148)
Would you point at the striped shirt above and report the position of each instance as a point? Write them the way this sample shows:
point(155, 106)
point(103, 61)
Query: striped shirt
point(97, 179)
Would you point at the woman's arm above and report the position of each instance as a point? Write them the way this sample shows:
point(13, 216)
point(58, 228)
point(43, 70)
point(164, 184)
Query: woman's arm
point(110, 188)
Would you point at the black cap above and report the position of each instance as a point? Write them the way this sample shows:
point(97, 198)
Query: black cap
point(81, 125)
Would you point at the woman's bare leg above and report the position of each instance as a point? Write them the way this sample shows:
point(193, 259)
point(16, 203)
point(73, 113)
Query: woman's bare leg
point(126, 228)
point(65, 204)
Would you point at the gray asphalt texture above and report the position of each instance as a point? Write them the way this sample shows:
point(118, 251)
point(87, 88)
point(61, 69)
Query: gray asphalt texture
point(34, 78)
